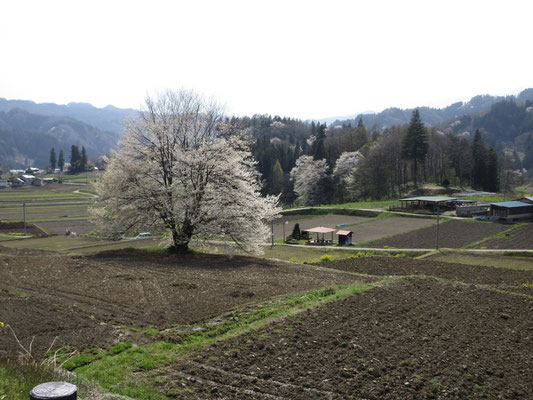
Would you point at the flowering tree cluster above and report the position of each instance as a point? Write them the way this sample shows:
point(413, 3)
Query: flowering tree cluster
point(309, 177)
point(181, 169)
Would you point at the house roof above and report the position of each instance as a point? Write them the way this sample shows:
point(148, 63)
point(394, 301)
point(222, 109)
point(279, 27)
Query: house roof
point(320, 229)
point(343, 233)
point(430, 199)
point(511, 204)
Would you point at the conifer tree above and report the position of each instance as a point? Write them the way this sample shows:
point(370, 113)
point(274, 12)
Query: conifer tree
point(53, 159)
point(415, 143)
point(83, 159)
point(479, 160)
point(492, 183)
point(277, 178)
point(61, 160)
point(75, 159)
point(319, 152)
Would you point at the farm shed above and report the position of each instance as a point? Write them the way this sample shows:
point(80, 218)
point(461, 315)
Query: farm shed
point(345, 237)
point(321, 230)
point(463, 209)
point(428, 202)
point(527, 200)
point(28, 179)
point(512, 210)
point(3, 183)
point(17, 182)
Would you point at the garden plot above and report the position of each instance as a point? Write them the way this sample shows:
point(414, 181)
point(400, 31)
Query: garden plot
point(452, 234)
point(88, 301)
point(411, 339)
point(80, 226)
point(386, 227)
point(520, 238)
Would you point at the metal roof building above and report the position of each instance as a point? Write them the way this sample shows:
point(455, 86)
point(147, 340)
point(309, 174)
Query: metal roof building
point(512, 210)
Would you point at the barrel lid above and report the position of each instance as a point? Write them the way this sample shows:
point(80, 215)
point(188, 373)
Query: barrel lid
point(53, 390)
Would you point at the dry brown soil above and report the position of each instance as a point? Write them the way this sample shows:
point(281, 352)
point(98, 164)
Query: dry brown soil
point(386, 227)
point(453, 234)
point(520, 238)
point(86, 301)
point(415, 338)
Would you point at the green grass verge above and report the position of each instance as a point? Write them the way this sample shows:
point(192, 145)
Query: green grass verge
point(18, 379)
point(123, 373)
point(325, 210)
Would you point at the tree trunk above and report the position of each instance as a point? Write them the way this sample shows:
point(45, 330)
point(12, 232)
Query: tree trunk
point(180, 241)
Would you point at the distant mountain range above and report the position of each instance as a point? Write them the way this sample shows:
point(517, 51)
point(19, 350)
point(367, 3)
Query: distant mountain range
point(432, 116)
point(29, 130)
point(109, 118)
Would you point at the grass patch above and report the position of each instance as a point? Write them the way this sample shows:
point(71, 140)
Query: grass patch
point(115, 372)
point(325, 210)
point(18, 379)
point(20, 294)
point(523, 254)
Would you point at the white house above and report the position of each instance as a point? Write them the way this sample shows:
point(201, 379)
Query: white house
point(28, 179)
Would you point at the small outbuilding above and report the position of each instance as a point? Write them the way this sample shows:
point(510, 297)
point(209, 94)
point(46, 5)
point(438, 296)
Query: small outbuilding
point(345, 237)
point(428, 202)
point(321, 230)
point(512, 210)
point(3, 183)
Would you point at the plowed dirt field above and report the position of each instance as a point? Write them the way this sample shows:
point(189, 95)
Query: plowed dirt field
point(88, 301)
point(416, 338)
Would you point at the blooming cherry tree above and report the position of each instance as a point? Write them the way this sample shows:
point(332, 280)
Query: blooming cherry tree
point(181, 169)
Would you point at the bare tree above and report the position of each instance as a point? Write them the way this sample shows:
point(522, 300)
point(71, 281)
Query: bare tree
point(181, 169)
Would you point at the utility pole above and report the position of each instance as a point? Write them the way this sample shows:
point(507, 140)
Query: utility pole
point(438, 215)
point(272, 233)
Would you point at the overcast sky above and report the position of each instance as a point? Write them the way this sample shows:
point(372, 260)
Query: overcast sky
point(304, 59)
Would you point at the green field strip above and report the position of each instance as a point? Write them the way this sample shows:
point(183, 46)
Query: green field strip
point(121, 372)
point(48, 219)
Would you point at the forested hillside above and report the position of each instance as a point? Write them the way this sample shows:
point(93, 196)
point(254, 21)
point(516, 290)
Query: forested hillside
point(26, 139)
point(434, 116)
point(109, 118)
point(506, 125)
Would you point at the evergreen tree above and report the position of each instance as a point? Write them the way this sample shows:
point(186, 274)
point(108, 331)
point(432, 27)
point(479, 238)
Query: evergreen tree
point(75, 159)
point(492, 183)
point(528, 158)
point(277, 178)
point(61, 160)
point(319, 151)
point(83, 159)
point(53, 159)
point(479, 160)
point(415, 143)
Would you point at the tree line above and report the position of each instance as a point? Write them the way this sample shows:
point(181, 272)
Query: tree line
point(78, 160)
point(309, 164)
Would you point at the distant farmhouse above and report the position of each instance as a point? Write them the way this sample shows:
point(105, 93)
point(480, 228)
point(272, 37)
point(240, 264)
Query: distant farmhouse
point(3, 183)
point(510, 211)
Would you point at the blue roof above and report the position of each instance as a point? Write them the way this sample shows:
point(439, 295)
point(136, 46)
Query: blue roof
point(511, 204)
